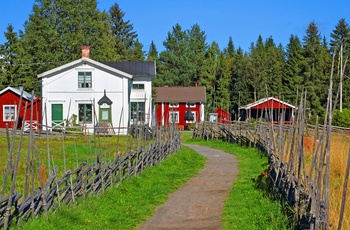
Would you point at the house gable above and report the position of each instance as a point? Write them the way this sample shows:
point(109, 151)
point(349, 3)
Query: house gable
point(267, 103)
point(10, 103)
point(81, 63)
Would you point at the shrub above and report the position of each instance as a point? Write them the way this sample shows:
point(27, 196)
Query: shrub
point(341, 118)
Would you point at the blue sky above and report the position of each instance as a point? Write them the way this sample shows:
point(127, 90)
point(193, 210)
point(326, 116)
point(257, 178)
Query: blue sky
point(243, 20)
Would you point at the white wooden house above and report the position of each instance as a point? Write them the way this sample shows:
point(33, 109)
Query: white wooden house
point(97, 94)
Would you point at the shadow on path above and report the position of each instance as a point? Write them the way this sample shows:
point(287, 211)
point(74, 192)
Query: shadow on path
point(199, 203)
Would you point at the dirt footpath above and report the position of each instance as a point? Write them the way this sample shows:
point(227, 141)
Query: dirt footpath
point(199, 203)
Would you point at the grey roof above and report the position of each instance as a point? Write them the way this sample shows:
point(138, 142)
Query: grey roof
point(135, 68)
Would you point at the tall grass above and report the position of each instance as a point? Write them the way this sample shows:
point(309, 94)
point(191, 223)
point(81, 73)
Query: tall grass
point(340, 143)
point(66, 152)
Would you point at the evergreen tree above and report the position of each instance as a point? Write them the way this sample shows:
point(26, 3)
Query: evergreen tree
point(174, 61)
point(258, 75)
point(152, 54)
point(340, 44)
point(230, 50)
point(222, 86)
point(15, 71)
point(8, 61)
point(123, 32)
point(292, 75)
point(181, 64)
point(340, 36)
point(241, 91)
point(229, 55)
point(274, 67)
point(210, 65)
point(197, 48)
point(136, 53)
point(315, 80)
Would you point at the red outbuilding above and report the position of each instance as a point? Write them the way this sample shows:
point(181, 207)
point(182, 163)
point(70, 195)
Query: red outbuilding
point(268, 108)
point(224, 117)
point(173, 103)
point(10, 103)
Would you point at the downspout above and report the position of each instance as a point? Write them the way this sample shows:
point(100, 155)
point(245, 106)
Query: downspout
point(129, 104)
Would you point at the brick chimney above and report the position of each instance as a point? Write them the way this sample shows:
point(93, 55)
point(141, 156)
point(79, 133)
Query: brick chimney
point(85, 51)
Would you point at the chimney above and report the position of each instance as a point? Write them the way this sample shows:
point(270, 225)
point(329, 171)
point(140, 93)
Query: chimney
point(85, 51)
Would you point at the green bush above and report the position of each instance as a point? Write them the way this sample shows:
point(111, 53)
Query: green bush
point(341, 118)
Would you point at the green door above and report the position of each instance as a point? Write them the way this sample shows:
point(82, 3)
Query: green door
point(57, 116)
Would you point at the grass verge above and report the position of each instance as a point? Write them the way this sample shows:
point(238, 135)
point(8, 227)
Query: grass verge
point(131, 203)
point(247, 207)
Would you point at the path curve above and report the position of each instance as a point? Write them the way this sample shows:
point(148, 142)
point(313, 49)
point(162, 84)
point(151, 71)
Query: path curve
point(199, 203)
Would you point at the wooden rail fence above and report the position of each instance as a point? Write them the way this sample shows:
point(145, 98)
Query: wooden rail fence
point(85, 179)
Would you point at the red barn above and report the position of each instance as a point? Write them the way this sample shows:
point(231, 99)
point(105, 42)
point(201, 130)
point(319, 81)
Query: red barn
point(9, 103)
point(263, 108)
point(172, 103)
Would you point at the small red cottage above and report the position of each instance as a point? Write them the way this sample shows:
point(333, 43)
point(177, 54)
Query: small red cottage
point(172, 104)
point(9, 102)
point(263, 108)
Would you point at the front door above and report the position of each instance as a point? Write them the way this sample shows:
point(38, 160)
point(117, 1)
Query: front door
point(57, 116)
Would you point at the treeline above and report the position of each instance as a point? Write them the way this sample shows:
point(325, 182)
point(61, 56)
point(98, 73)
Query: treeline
point(234, 78)
point(56, 30)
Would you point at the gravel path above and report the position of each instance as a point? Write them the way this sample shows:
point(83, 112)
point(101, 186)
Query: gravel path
point(199, 203)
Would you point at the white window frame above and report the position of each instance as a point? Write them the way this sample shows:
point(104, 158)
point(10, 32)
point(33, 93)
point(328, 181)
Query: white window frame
point(194, 116)
point(173, 105)
point(170, 117)
point(4, 113)
point(84, 84)
point(192, 105)
point(136, 86)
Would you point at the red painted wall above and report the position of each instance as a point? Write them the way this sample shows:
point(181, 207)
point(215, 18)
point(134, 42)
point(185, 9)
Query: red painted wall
point(271, 104)
point(182, 109)
point(11, 98)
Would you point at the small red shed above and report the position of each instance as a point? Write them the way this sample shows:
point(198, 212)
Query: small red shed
point(224, 116)
point(172, 103)
point(264, 107)
point(9, 104)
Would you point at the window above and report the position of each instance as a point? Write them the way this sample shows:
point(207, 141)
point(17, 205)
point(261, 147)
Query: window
point(194, 116)
point(174, 105)
point(192, 105)
point(174, 117)
point(137, 111)
point(85, 113)
point(84, 80)
point(9, 112)
point(138, 86)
